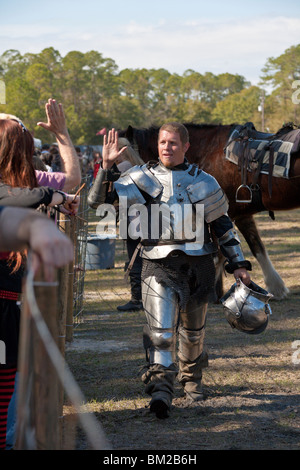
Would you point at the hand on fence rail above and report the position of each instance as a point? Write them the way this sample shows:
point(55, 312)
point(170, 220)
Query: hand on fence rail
point(69, 205)
point(51, 248)
point(21, 228)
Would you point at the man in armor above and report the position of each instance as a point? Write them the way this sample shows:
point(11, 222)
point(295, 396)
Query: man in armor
point(177, 250)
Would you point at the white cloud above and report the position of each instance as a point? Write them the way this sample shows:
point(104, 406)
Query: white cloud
point(242, 46)
point(18, 31)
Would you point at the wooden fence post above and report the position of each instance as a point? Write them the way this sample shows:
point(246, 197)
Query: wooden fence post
point(39, 387)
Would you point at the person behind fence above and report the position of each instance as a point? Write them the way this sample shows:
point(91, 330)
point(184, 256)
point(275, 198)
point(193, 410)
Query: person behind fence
point(19, 187)
point(22, 229)
point(70, 176)
point(127, 160)
point(184, 207)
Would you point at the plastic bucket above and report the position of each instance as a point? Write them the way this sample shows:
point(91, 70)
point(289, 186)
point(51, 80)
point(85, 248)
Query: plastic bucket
point(100, 252)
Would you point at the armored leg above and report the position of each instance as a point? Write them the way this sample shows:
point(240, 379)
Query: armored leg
point(135, 273)
point(161, 309)
point(135, 302)
point(191, 354)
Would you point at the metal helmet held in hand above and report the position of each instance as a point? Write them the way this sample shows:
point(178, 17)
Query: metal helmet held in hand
point(246, 308)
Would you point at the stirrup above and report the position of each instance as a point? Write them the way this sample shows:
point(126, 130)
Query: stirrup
point(243, 200)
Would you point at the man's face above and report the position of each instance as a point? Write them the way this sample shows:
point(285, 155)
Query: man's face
point(171, 151)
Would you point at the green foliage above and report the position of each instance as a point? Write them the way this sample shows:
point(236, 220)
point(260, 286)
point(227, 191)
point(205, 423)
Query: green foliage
point(239, 107)
point(96, 94)
point(281, 72)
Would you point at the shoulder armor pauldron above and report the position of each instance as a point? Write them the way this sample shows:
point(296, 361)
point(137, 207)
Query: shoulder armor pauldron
point(203, 187)
point(144, 179)
point(206, 190)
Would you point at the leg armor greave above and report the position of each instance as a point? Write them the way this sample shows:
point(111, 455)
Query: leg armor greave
point(191, 344)
point(191, 331)
point(161, 308)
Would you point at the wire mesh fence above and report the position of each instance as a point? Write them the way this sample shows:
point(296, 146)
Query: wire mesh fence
point(76, 227)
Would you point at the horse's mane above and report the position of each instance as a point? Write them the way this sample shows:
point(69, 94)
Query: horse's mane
point(154, 127)
point(192, 125)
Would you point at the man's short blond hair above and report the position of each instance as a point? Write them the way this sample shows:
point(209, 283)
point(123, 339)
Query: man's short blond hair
point(178, 128)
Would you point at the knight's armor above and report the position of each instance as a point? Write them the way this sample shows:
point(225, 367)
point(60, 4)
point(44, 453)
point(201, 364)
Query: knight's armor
point(175, 303)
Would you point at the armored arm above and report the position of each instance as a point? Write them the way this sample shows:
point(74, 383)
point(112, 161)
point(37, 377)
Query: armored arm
point(230, 245)
point(102, 191)
point(208, 192)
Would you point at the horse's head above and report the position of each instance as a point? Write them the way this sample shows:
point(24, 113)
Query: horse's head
point(127, 133)
point(144, 141)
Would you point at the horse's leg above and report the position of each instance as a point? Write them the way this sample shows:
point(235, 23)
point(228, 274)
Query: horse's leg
point(275, 285)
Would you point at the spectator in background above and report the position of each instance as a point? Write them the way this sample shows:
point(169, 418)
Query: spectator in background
point(97, 159)
point(79, 155)
point(56, 161)
point(46, 158)
point(38, 163)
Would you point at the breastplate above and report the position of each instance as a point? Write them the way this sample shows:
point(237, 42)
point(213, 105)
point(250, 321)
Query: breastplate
point(178, 218)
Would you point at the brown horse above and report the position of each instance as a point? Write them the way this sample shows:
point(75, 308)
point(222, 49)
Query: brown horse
point(207, 151)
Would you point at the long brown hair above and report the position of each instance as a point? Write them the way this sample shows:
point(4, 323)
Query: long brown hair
point(16, 152)
point(16, 165)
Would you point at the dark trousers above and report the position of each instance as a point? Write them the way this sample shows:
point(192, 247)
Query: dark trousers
point(135, 272)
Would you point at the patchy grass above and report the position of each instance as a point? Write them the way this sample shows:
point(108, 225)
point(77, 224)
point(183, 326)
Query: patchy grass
point(252, 382)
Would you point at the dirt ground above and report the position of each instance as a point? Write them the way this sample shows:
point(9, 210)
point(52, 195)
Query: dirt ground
point(251, 385)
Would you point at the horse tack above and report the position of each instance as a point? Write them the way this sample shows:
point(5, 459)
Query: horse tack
point(243, 166)
point(259, 160)
point(246, 134)
point(244, 158)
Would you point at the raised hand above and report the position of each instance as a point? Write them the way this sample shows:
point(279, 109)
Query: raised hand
point(56, 121)
point(111, 152)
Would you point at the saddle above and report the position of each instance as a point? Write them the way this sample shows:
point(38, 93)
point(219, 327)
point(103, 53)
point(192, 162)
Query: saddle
point(259, 152)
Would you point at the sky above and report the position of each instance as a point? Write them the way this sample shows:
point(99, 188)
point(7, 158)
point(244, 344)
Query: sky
point(177, 35)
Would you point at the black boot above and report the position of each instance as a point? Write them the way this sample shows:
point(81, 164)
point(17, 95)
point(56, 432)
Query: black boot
point(190, 377)
point(135, 281)
point(159, 382)
point(131, 306)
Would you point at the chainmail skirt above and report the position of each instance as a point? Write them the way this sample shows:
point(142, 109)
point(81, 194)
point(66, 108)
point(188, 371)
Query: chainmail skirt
point(189, 276)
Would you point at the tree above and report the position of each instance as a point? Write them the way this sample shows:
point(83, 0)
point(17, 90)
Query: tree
point(280, 73)
point(96, 94)
point(239, 108)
